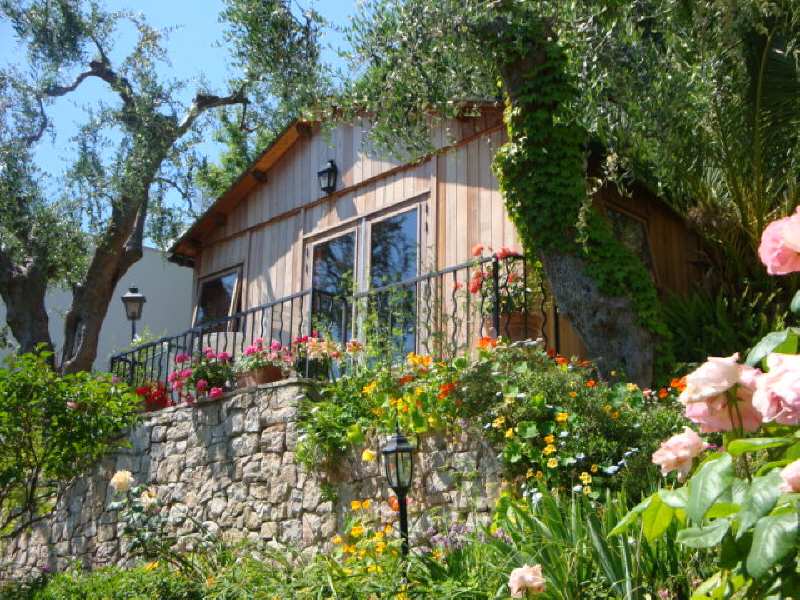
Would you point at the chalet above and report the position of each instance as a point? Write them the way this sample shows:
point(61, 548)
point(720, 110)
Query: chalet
point(320, 217)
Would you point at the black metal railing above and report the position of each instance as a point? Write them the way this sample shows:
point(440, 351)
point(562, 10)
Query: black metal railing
point(441, 314)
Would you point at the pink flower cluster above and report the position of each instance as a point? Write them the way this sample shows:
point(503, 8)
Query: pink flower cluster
point(181, 378)
point(678, 452)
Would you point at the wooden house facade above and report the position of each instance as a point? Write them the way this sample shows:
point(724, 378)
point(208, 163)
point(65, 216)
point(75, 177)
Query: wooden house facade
point(275, 232)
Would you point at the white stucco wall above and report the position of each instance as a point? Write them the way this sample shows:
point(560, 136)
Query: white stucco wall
point(168, 310)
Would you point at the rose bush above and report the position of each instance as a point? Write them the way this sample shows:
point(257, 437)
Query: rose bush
point(742, 500)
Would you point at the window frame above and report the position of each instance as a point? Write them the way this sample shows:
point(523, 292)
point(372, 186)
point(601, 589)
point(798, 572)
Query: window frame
point(235, 297)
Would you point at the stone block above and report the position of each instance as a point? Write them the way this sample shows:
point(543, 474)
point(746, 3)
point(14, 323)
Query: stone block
point(159, 433)
point(273, 438)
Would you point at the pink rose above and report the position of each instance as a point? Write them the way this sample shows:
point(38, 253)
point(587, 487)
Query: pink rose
point(215, 393)
point(712, 378)
point(201, 386)
point(250, 351)
point(477, 250)
point(209, 354)
point(678, 452)
point(777, 394)
point(791, 478)
point(526, 578)
point(713, 404)
point(505, 252)
point(780, 245)
point(71, 405)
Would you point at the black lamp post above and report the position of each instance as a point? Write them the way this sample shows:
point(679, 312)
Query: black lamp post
point(327, 177)
point(398, 461)
point(133, 301)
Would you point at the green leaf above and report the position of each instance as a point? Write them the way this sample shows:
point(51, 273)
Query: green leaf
point(773, 538)
point(759, 500)
point(632, 515)
point(708, 484)
point(767, 344)
point(795, 305)
point(656, 518)
point(722, 509)
point(734, 551)
point(675, 498)
point(737, 447)
point(527, 429)
point(704, 537)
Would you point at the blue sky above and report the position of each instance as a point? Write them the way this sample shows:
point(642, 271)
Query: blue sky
point(193, 47)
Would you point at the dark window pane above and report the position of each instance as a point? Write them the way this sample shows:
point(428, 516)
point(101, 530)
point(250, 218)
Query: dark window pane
point(332, 272)
point(216, 298)
point(633, 234)
point(393, 258)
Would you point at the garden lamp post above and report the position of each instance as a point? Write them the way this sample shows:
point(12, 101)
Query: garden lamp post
point(327, 177)
point(398, 462)
point(133, 301)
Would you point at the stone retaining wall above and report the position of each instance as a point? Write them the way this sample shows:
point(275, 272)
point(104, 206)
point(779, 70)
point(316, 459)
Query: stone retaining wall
point(230, 465)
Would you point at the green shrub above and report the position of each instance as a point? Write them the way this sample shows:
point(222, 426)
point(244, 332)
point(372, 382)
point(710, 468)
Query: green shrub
point(60, 427)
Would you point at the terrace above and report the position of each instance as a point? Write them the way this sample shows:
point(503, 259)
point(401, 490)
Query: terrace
point(440, 314)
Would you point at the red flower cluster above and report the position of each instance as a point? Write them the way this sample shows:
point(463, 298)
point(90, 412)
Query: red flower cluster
point(155, 396)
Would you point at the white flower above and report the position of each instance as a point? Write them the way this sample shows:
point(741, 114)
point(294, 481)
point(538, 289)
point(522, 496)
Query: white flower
point(148, 500)
point(122, 481)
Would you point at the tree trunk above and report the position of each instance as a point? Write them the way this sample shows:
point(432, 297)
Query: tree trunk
point(542, 176)
point(23, 293)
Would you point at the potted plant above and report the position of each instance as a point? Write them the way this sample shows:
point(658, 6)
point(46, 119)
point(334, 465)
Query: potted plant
point(505, 288)
point(258, 364)
point(207, 374)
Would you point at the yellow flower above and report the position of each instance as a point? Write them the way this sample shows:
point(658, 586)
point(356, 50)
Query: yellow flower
point(366, 504)
point(549, 449)
point(369, 388)
point(357, 530)
point(510, 432)
point(587, 490)
point(374, 568)
point(349, 548)
point(615, 415)
point(529, 474)
point(552, 463)
point(437, 554)
point(562, 417)
point(380, 547)
point(418, 391)
point(337, 539)
point(550, 438)
point(539, 474)
point(379, 535)
point(632, 387)
point(607, 407)
point(594, 469)
point(368, 455)
point(355, 505)
point(151, 566)
point(573, 394)
point(210, 580)
point(498, 422)
point(387, 529)
point(585, 478)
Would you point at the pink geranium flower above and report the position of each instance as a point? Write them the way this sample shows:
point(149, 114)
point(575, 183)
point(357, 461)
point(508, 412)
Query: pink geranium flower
point(201, 386)
point(182, 357)
point(780, 245)
point(215, 393)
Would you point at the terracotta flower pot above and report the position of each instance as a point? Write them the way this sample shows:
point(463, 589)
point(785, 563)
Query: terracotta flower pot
point(515, 326)
point(259, 376)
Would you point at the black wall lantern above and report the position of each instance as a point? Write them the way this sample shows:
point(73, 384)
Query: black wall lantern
point(133, 301)
point(398, 462)
point(327, 177)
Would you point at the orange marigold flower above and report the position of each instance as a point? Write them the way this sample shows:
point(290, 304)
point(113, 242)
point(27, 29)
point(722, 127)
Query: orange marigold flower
point(678, 384)
point(487, 342)
point(561, 360)
point(406, 379)
point(591, 383)
point(551, 352)
point(663, 393)
point(445, 390)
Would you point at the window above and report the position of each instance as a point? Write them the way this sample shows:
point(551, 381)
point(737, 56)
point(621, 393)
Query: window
point(633, 234)
point(375, 253)
point(218, 298)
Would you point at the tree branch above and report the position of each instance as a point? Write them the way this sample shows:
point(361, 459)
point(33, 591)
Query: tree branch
point(204, 102)
point(102, 70)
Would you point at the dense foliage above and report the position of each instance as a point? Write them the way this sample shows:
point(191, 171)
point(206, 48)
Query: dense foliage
point(53, 428)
